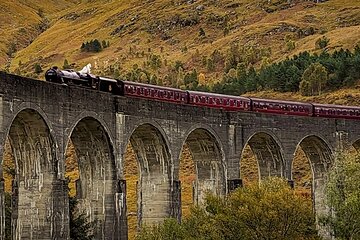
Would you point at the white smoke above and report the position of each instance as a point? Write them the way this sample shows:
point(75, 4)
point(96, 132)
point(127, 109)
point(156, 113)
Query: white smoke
point(86, 69)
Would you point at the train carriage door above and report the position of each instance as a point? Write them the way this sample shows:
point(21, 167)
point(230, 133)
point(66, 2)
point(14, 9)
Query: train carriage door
point(231, 102)
point(211, 101)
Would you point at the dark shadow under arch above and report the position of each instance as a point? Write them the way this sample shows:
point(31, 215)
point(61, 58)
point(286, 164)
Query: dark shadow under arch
point(268, 154)
point(209, 163)
point(154, 195)
point(320, 157)
point(97, 188)
point(36, 192)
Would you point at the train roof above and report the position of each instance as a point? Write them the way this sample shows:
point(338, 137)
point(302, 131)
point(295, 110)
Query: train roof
point(335, 106)
point(218, 95)
point(153, 86)
point(279, 101)
point(108, 79)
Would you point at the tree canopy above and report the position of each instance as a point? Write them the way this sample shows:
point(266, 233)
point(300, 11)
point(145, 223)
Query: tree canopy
point(342, 68)
point(271, 210)
point(343, 197)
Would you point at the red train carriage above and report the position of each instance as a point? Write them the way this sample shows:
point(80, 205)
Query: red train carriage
point(281, 107)
point(202, 99)
point(227, 102)
point(154, 92)
point(336, 111)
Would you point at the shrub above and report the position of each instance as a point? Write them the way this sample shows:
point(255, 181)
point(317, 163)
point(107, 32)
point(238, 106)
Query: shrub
point(343, 197)
point(92, 46)
point(37, 68)
point(322, 43)
point(269, 211)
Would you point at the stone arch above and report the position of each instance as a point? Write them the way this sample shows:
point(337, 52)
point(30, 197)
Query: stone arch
point(209, 159)
point(154, 186)
point(97, 185)
point(319, 154)
point(356, 145)
point(38, 200)
point(268, 153)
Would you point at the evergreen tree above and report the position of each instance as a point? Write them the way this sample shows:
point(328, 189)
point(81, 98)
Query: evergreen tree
point(96, 46)
point(201, 32)
point(104, 44)
point(66, 64)
point(80, 227)
point(37, 68)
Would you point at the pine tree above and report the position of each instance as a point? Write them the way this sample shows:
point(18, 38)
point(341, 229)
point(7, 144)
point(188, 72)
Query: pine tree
point(201, 32)
point(80, 226)
point(104, 44)
point(37, 68)
point(66, 64)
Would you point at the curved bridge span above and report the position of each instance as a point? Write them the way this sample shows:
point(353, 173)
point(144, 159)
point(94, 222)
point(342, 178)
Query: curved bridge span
point(40, 119)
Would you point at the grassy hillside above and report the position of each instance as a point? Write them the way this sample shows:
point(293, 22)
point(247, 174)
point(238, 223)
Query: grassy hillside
point(23, 21)
point(171, 30)
point(154, 36)
point(346, 96)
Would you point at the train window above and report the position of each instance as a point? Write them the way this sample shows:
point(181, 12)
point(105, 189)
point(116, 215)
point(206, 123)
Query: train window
point(202, 99)
point(131, 89)
point(218, 101)
point(176, 95)
point(211, 100)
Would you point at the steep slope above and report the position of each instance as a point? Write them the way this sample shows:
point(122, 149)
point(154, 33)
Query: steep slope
point(22, 21)
point(187, 31)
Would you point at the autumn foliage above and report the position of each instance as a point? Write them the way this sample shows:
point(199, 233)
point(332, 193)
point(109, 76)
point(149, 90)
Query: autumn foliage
point(270, 210)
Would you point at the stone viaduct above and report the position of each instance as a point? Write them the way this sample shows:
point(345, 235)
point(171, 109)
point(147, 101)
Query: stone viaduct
point(39, 119)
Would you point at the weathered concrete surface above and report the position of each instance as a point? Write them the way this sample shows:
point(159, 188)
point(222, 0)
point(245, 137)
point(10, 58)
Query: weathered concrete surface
point(97, 184)
point(2, 210)
point(40, 118)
